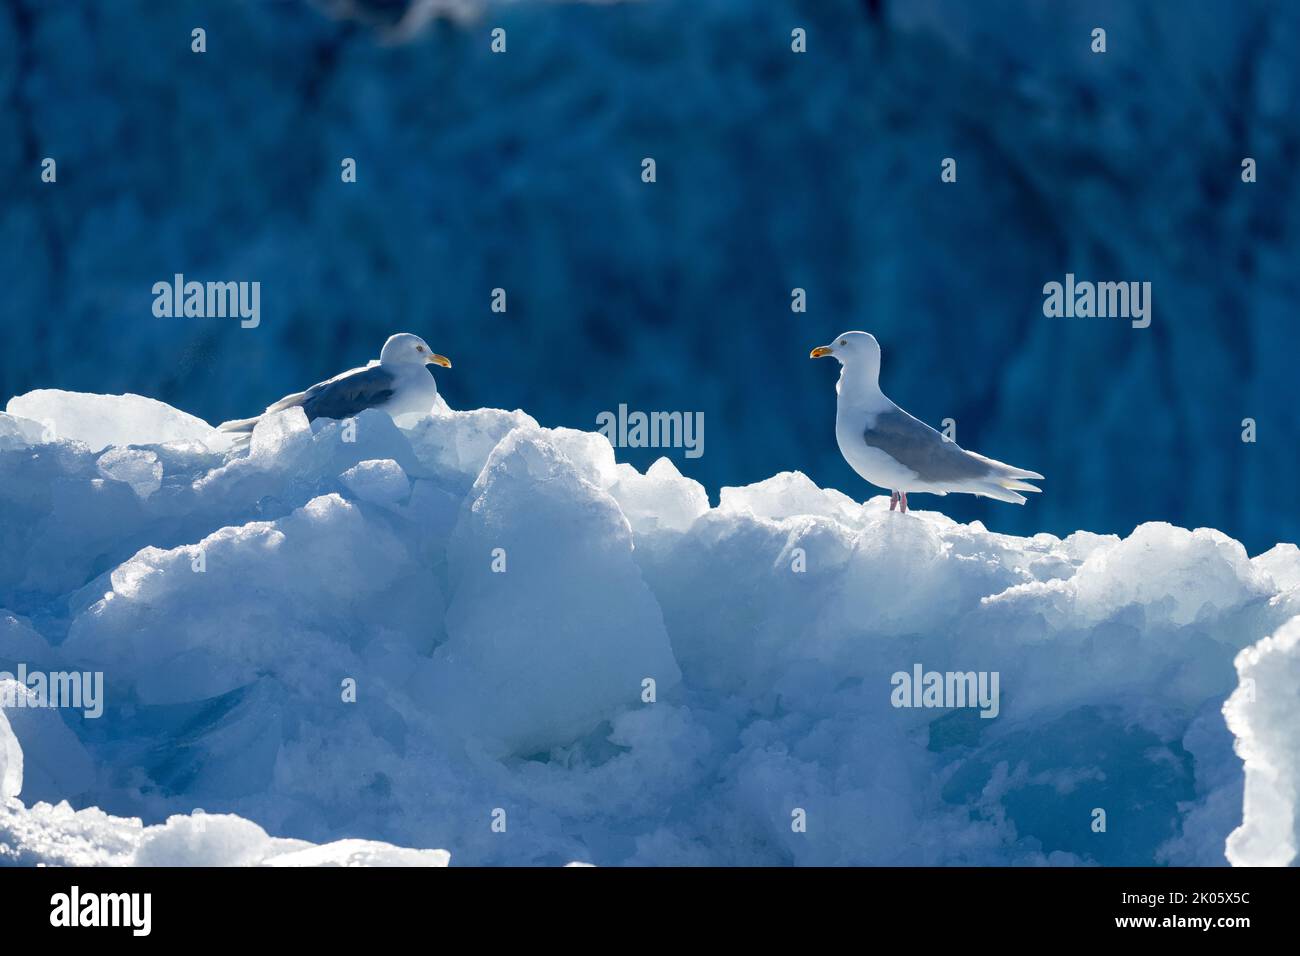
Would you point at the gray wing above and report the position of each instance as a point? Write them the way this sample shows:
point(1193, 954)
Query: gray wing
point(915, 445)
point(346, 395)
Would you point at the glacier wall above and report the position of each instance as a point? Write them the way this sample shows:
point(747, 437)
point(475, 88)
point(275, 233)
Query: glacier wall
point(776, 171)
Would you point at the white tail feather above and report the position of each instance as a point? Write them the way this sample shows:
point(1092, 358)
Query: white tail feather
point(1018, 485)
point(1001, 493)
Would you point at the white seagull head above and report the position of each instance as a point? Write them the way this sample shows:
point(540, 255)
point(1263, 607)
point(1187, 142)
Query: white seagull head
point(854, 350)
point(407, 349)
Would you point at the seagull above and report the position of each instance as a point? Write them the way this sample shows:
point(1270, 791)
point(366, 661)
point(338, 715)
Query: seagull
point(399, 384)
point(893, 450)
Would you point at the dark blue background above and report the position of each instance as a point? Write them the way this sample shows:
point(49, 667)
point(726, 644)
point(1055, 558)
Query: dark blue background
point(775, 170)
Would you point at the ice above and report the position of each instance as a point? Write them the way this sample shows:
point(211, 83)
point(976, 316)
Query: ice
point(17, 432)
point(359, 853)
point(272, 599)
point(1264, 713)
point(459, 442)
point(219, 839)
point(1189, 575)
point(788, 494)
point(56, 835)
point(103, 420)
point(1282, 564)
point(1219, 787)
point(378, 481)
point(11, 761)
point(366, 635)
point(19, 642)
point(136, 467)
point(56, 764)
point(208, 839)
point(550, 627)
point(1174, 575)
point(279, 436)
point(661, 499)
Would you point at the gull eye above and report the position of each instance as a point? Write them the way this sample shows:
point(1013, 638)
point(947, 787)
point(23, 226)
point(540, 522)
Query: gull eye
point(419, 348)
point(844, 341)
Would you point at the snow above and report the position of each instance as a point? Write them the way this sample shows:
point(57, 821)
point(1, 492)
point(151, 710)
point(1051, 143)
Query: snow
point(367, 636)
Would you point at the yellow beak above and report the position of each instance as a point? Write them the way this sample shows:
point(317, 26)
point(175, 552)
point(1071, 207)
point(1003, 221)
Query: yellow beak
point(434, 359)
point(820, 351)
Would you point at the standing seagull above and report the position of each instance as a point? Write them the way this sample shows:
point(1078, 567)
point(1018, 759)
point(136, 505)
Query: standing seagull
point(897, 452)
point(399, 383)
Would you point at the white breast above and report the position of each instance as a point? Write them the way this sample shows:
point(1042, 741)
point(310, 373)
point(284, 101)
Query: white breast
point(414, 391)
point(871, 463)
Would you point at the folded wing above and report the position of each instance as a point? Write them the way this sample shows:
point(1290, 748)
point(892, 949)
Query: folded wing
point(343, 396)
point(938, 461)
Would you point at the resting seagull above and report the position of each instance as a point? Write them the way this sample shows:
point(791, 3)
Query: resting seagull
point(399, 384)
point(897, 452)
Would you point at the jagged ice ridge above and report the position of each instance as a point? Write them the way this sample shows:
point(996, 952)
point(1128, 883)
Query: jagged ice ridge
point(500, 593)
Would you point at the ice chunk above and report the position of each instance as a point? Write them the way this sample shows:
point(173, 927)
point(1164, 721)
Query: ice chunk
point(459, 442)
point(136, 467)
point(1172, 574)
point(359, 853)
point(378, 481)
point(49, 835)
point(788, 494)
point(54, 763)
point(11, 760)
point(61, 523)
point(1219, 785)
point(19, 643)
point(1263, 713)
point(590, 454)
point(272, 598)
point(290, 461)
point(659, 499)
point(17, 432)
point(1185, 574)
point(1282, 564)
point(209, 839)
point(103, 420)
point(280, 436)
point(550, 627)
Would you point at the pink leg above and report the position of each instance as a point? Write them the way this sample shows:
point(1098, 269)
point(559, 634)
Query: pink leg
point(893, 500)
point(903, 497)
